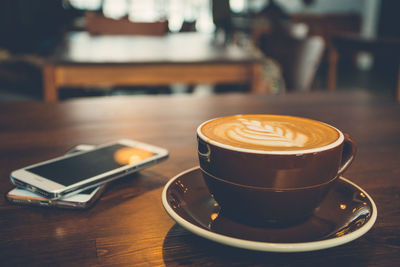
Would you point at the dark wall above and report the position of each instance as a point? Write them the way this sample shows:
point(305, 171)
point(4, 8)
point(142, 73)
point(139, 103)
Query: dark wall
point(28, 26)
point(389, 19)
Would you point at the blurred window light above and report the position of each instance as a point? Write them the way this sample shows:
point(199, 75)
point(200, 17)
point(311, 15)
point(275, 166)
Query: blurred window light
point(146, 11)
point(175, 15)
point(175, 11)
point(237, 6)
point(86, 4)
point(204, 21)
point(115, 9)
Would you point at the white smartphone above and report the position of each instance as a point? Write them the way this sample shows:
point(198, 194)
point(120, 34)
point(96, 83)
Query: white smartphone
point(73, 173)
point(82, 200)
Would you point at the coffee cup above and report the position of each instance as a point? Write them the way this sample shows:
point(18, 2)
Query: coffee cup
point(270, 167)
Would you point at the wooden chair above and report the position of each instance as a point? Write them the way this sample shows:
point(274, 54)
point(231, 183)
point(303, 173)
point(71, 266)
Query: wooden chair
point(299, 58)
point(96, 23)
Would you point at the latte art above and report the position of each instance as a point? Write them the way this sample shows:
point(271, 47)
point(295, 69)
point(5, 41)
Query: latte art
point(265, 134)
point(269, 132)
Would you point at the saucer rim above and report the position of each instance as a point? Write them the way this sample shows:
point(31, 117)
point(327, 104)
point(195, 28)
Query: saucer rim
point(268, 246)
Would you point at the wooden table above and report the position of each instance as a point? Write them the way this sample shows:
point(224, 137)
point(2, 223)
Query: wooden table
point(109, 60)
point(128, 225)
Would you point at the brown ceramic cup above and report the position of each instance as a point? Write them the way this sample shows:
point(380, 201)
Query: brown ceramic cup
point(280, 166)
point(260, 206)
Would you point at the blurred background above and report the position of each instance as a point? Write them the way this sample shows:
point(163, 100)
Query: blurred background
point(336, 45)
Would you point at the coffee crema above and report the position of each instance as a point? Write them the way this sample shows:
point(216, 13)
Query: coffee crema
point(269, 132)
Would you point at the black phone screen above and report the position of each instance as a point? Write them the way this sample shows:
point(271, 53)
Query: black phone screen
point(74, 169)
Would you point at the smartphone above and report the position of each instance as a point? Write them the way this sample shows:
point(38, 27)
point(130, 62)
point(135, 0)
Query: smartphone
point(73, 173)
point(82, 200)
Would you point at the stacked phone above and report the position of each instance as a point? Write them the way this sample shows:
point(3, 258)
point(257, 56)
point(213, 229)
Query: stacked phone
point(77, 179)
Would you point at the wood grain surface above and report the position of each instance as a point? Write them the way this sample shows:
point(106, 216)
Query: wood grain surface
point(128, 225)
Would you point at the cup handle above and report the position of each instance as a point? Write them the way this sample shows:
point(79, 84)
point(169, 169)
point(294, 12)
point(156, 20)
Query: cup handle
point(348, 154)
point(204, 150)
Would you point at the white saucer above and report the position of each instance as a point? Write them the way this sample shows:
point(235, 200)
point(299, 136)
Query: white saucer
point(346, 214)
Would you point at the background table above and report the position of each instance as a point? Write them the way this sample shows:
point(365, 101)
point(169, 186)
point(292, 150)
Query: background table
point(128, 225)
point(109, 60)
point(350, 44)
